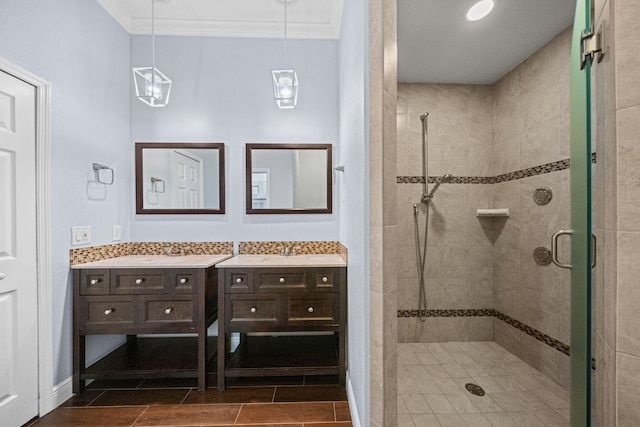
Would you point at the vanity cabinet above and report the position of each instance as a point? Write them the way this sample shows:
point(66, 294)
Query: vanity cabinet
point(291, 320)
point(179, 297)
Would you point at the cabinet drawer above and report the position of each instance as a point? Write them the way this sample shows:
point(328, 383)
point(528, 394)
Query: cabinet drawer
point(238, 280)
point(164, 312)
point(313, 309)
point(94, 282)
point(105, 313)
point(325, 279)
point(142, 281)
point(183, 283)
point(252, 312)
point(281, 280)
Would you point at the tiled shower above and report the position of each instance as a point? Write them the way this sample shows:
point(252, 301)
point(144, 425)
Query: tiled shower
point(501, 142)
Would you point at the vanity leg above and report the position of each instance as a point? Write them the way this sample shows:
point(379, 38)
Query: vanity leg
point(202, 359)
point(78, 362)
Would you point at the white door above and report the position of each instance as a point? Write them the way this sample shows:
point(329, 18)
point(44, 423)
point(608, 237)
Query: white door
point(186, 173)
point(18, 285)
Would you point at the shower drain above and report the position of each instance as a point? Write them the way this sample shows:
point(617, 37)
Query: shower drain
point(474, 389)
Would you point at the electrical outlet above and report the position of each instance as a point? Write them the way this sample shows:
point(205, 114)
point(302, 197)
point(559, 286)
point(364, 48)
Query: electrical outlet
point(80, 235)
point(116, 233)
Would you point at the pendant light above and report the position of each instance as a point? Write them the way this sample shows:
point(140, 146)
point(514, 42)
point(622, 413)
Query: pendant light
point(152, 87)
point(285, 82)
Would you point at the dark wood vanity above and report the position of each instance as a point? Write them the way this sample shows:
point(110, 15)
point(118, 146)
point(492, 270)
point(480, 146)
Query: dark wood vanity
point(290, 312)
point(146, 295)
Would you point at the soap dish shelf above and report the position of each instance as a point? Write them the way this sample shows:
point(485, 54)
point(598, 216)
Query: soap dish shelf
point(492, 213)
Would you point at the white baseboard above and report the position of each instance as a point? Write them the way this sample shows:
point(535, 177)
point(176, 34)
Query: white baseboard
point(355, 420)
point(62, 392)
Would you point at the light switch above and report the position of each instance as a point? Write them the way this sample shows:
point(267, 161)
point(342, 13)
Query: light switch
point(116, 233)
point(80, 235)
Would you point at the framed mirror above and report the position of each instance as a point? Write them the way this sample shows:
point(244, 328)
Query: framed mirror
point(288, 178)
point(180, 178)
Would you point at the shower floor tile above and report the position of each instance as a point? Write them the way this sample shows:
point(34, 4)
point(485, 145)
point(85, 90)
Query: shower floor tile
point(431, 388)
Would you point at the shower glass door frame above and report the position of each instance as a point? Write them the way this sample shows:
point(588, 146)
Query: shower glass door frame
point(581, 220)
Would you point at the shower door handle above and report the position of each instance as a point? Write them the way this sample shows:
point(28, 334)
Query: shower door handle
point(554, 249)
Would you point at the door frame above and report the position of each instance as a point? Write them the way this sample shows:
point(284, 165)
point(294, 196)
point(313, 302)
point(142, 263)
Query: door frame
point(43, 232)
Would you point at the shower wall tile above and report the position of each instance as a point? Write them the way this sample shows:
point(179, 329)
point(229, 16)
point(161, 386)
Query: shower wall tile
point(540, 144)
point(508, 118)
point(628, 382)
point(481, 115)
point(390, 326)
point(610, 303)
point(508, 337)
point(412, 329)
point(626, 53)
point(609, 385)
point(389, 187)
point(628, 304)
point(406, 196)
point(628, 129)
point(408, 293)
point(390, 126)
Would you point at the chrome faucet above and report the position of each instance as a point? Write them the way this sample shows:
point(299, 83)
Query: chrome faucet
point(174, 251)
point(288, 250)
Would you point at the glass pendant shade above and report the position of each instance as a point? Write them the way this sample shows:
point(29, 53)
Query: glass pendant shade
point(285, 88)
point(152, 87)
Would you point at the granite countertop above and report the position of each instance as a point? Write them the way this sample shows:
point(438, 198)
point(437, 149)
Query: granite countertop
point(156, 261)
point(317, 260)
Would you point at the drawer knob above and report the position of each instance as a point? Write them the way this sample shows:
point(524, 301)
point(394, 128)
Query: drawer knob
point(310, 309)
point(183, 280)
point(108, 311)
point(168, 310)
point(324, 279)
point(282, 280)
point(95, 281)
point(253, 309)
point(239, 280)
point(138, 281)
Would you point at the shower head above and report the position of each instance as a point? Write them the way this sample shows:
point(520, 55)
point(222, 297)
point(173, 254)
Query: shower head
point(446, 178)
point(424, 116)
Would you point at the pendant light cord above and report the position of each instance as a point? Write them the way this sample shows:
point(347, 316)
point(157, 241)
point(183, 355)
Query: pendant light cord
point(285, 32)
point(153, 46)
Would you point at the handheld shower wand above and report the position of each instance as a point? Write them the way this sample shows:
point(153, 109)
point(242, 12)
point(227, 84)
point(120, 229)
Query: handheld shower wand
point(446, 178)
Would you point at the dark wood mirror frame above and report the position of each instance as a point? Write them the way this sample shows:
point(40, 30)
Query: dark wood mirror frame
point(248, 179)
point(140, 146)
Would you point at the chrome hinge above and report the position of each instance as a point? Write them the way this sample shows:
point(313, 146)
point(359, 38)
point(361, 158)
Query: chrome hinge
point(591, 47)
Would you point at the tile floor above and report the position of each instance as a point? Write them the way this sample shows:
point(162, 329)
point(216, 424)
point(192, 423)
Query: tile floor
point(432, 376)
point(271, 403)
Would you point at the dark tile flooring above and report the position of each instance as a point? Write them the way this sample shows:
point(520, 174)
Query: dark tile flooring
point(269, 402)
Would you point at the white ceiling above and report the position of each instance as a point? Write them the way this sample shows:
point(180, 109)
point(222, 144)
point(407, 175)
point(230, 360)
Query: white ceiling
point(435, 42)
point(306, 19)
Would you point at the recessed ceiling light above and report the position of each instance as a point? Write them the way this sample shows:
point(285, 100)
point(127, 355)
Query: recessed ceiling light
point(479, 10)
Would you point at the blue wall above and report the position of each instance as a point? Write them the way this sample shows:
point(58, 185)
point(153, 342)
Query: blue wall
point(222, 93)
point(354, 192)
point(84, 54)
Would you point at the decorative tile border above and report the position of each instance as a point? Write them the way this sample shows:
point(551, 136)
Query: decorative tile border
point(551, 342)
point(523, 173)
point(97, 253)
point(447, 313)
point(489, 312)
point(302, 248)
